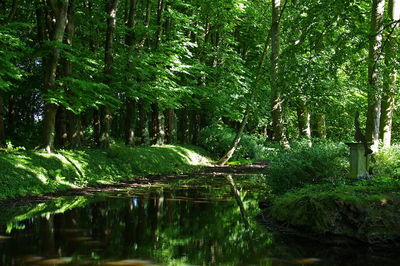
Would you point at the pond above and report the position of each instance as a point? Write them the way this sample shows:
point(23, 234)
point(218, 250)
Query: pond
point(200, 221)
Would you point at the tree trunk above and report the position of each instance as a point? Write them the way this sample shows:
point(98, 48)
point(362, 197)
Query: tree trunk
point(130, 22)
point(160, 17)
point(194, 127)
point(49, 122)
point(2, 131)
point(142, 122)
point(73, 123)
point(155, 117)
point(105, 127)
point(61, 128)
point(169, 125)
point(303, 119)
point(131, 10)
point(319, 126)
point(389, 85)
point(129, 125)
point(236, 141)
point(74, 129)
point(155, 124)
point(11, 115)
point(96, 127)
point(13, 11)
point(111, 9)
point(59, 9)
point(183, 126)
point(277, 108)
point(374, 75)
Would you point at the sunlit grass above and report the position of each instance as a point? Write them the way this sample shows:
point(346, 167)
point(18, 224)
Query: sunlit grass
point(27, 172)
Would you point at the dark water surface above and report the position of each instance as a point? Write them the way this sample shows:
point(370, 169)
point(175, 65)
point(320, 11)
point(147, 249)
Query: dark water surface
point(180, 224)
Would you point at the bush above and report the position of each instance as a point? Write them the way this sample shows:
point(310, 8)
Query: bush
point(387, 162)
point(325, 162)
point(218, 138)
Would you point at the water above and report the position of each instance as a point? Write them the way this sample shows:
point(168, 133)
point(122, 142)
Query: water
point(186, 223)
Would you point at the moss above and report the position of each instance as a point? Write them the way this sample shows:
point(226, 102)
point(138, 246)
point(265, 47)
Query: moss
point(27, 172)
point(363, 211)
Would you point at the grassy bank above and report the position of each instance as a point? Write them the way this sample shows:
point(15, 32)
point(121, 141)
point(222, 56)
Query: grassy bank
point(29, 172)
point(329, 202)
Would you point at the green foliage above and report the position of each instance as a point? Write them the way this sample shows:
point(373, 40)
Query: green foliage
point(217, 138)
point(12, 50)
point(324, 162)
point(26, 172)
point(354, 210)
point(387, 162)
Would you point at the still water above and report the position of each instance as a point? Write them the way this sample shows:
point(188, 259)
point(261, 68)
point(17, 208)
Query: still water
point(202, 221)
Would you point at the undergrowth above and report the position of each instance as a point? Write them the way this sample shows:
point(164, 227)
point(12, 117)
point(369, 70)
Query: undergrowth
point(324, 162)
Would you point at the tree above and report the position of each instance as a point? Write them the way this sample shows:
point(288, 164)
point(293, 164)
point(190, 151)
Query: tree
point(59, 8)
point(390, 79)
point(111, 10)
point(374, 74)
point(2, 130)
point(131, 11)
point(276, 94)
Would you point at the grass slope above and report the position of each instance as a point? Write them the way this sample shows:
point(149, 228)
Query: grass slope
point(29, 172)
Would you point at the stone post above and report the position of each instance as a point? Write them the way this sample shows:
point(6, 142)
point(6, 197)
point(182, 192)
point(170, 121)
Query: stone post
point(359, 163)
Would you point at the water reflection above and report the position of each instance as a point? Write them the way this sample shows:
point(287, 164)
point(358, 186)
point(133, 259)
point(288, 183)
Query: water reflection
point(177, 225)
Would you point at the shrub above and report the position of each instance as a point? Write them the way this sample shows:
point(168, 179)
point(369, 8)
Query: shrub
point(325, 162)
point(217, 139)
point(387, 162)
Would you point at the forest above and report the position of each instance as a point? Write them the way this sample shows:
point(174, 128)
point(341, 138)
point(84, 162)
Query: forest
point(99, 92)
point(87, 73)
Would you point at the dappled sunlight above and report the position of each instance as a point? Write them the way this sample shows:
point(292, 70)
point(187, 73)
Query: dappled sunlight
point(42, 172)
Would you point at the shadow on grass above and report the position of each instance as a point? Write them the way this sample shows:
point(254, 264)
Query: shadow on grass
point(29, 172)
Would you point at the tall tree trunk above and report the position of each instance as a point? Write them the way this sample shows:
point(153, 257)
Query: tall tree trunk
point(374, 75)
point(249, 106)
point(111, 9)
point(62, 116)
point(59, 9)
point(142, 121)
point(303, 119)
point(74, 129)
point(155, 116)
point(96, 127)
point(194, 127)
point(131, 11)
point(160, 17)
point(277, 108)
point(155, 124)
point(61, 128)
point(183, 126)
point(169, 125)
point(389, 84)
point(13, 11)
point(319, 130)
point(73, 123)
point(11, 115)
point(129, 125)
point(236, 141)
point(105, 127)
point(2, 131)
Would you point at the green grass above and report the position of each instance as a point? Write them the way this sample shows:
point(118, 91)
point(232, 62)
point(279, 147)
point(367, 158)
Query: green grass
point(29, 172)
point(367, 210)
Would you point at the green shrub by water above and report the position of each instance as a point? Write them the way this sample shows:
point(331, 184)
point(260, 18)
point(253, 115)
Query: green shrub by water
point(324, 162)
